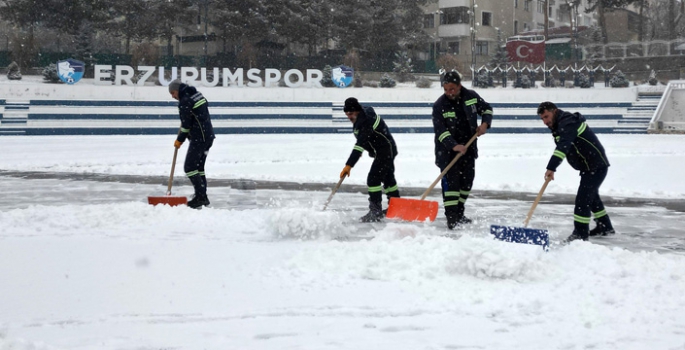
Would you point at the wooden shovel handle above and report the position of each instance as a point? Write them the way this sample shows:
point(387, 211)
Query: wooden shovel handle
point(171, 176)
point(449, 166)
point(335, 189)
point(537, 200)
point(173, 167)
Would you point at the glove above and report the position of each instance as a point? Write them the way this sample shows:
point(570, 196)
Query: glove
point(177, 144)
point(345, 171)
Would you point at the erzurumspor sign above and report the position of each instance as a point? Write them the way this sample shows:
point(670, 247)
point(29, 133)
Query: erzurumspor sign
point(124, 75)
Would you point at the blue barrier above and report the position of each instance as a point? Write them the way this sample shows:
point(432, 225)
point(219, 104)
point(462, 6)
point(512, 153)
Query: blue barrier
point(64, 117)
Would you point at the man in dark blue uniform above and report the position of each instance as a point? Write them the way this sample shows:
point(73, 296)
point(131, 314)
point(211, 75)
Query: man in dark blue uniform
point(196, 126)
point(579, 145)
point(455, 121)
point(374, 137)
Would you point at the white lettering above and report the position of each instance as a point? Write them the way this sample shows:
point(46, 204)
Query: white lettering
point(102, 71)
point(149, 70)
point(254, 78)
point(233, 77)
point(189, 75)
point(314, 77)
point(162, 80)
point(215, 78)
point(298, 82)
point(271, 76)
point(123, 74)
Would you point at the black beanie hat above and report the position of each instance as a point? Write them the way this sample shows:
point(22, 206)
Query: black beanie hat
point(546, 106)
point(352, 105)
point(452, 77)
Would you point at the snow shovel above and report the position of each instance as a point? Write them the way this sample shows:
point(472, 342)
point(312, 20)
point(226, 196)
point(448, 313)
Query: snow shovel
point(169, 199)
point(524, 234)
point(420, 209)
point(335, 189)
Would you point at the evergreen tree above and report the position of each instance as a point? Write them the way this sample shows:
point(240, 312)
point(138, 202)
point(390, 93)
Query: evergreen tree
point(387, 81)
point(327, 80)
point(239, 23)
point(595, 52)
point(129, 20)
point(84, 47)
point(584, 81)
point(619, 80)
point(26, 14)
point(50, 74)
point(355, 20)
point(501, 57)
point(403, 67)
point(168, 15)
point(68, 16)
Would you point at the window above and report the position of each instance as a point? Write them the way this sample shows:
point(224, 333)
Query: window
point(633, 22)
point(516, 27)
point(429, 21)
point(541, 6)
point(486, 19)
point(563, 13)
point(481, 48)
point(526, 6)
point(453, 47)
point(525, 27)
point(455, 15)
point(516, 4)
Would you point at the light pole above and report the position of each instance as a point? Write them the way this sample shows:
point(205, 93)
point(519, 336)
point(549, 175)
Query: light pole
point(573, 5)
point(205, 4)
point(436, 39)
point(473, 30)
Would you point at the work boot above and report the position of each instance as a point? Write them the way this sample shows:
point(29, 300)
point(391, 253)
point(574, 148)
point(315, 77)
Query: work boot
point(452, 215)
point(198, 201)
point(454, 222)
point(576, 236)
point(464, 220)
point(603, 227)
point(375, 213)
point(455, 216)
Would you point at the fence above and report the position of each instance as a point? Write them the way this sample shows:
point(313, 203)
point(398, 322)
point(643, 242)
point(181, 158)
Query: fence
point(98, 117)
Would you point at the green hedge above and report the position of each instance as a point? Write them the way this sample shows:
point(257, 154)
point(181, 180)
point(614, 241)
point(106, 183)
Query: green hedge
point(5, 59)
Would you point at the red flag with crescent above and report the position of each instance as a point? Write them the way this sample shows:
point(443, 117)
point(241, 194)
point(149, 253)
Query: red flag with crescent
point(526, 51)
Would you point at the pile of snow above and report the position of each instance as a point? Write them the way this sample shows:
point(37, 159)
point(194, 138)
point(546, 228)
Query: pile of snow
point(308, 223)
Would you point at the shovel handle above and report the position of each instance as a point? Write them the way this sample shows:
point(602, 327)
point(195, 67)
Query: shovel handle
point(449, 166)
point(537, 200)
point(171, 176)
point(335, 189)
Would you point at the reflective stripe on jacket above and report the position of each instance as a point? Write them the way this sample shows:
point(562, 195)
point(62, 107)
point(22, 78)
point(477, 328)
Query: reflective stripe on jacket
point(576, 143)
point(196, 125)
point(373, 136)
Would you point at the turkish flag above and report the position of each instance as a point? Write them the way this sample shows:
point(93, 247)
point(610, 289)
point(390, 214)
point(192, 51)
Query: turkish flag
point(526, 51)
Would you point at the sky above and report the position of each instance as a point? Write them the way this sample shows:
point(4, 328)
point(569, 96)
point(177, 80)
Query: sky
point(90, 265)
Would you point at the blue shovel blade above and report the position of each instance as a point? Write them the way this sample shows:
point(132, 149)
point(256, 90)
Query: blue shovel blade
point(521, 235)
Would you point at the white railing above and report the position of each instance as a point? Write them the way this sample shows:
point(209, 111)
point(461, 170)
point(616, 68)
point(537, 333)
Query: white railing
point(669, 117)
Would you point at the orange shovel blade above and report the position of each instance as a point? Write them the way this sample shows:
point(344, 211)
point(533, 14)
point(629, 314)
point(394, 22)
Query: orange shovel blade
point(412, 209)
point(168, 200)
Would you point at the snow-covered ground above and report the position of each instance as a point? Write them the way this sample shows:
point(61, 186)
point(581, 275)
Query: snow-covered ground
point(90, 265)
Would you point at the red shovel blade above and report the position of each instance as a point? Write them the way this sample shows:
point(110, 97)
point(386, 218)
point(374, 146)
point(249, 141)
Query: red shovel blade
point(168, 200)
point(412, 209)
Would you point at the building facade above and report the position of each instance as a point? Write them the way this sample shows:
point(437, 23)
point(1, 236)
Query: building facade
point(470, 29)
